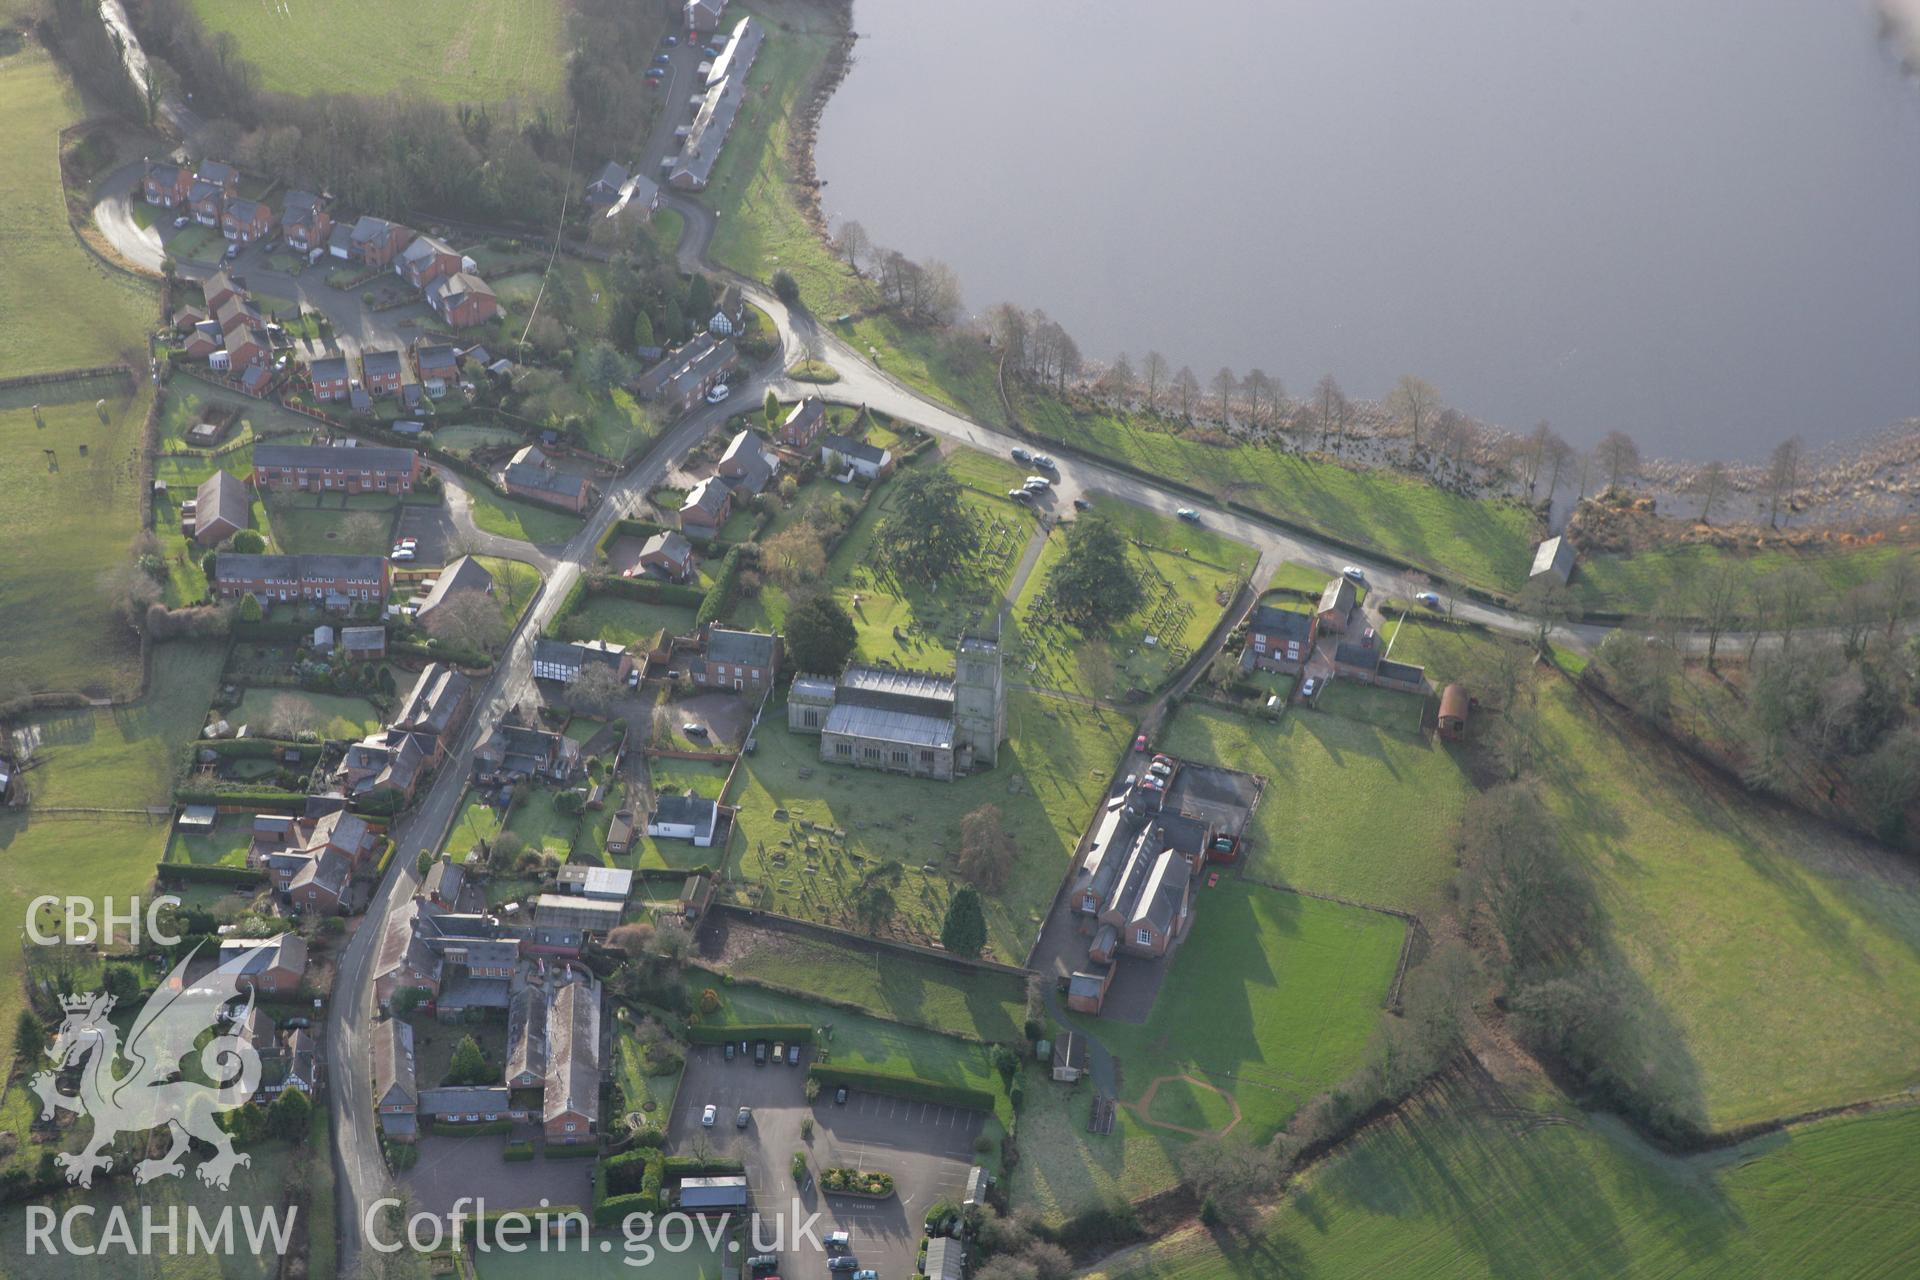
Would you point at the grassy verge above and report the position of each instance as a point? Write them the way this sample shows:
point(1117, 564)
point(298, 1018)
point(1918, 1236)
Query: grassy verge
point(507, 518)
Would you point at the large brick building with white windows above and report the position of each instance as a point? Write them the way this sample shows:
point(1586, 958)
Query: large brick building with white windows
point(364, 469)
point(338, 580)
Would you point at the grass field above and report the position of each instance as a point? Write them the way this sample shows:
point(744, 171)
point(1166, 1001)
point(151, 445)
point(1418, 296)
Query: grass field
point(483, 50)
point(1053, 770)
point(359, 524)
point(1271, 998)
point(332, 715)
point(1773, 965)
point(1655, 579)
point(624, 621)
point(894, 986)
point(114, 758)
point(496, 514)
point(1349, 809)
point(102, 316)
point(72, 513)
point(1185, 573)
point(1455, 1191)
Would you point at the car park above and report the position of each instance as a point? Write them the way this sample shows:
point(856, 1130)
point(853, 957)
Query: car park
point(745, 1117)
point(402, 555)
point(727, 1052)
point(1353, 573)
point(719, 393)
point(779, 1054)
point(840, 1096)
point(708, 1116)
point(759, 1053)
point(1189, 515)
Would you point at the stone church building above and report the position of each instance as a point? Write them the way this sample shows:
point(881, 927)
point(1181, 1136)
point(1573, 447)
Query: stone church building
point(912, 722)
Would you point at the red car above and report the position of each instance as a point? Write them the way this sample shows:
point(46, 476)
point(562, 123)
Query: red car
point(1140, 743)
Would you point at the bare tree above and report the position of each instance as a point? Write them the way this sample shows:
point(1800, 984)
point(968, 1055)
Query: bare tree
point(1262, 392)
point(363, 529)
point(1793, 592)
point(853, 242)
point(1224, 385)
point(1119, 379)
point(1154, 369)
point(596, 690)
point(987, 851)
point(1413, 401)
point(1898, 582)
point(1535, 455)
point(1719, 600)
point(1783, 472)
point(1011, 330)
point(1618, 456)
point(1331, 405)
point(1547, 603)
point(1186, 390)
point(289, 715)
point(796, 555)
point(468, 619)
point(1710, 484)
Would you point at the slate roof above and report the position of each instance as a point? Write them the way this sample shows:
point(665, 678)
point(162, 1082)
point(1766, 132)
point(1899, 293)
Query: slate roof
point(359, 458)
point(709, 495)
point(382, 364)
point(222, 496)
point(573, 1053)
point(431, 705)
point(464, 574)
point(393, 1080)
point(858, 450)
point(299, 206)
point(330, 369)
point(458, 1100)
point(1288, 624)
point(231, 565)
point(740, 648)
point(526, 1033)
point(283, 951)
point(1339, 595)
point(686, 810)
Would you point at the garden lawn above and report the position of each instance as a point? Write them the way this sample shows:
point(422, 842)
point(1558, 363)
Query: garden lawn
point(359, 524)
point(479, 50)
point(538, 821)
point(183, 472)
point(1456, 1190)
point(507, 518)
point(515, 584)
point(100, 316)
point(225, 846)
point(640, 1088)
point(676, 777)
point(331, 715)
point(1772, 965)
point(475, 822)
point(1349, 809)
point(113, 758)
point(1187, 574)
point(68, 522)
point(1053, 770)
point(1297, 577)
point(980, 1005)
point(1483, 543)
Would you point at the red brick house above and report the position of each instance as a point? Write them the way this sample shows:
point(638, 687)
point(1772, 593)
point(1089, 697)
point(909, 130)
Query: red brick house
point(217, 173)
point(269, 966)
point(730, 659)
point(330, 378)
point(1336, 604)
point(706, 508)
point(426, 260)
point(166, 184)
point(380, 372)
point(531, 474)
point(377, 242)
point(364, 469)
point(463, 300)
point(363, 579)
point(437, 367)
point(803, 423)
point(219, 288)
point(305, 221)
point(1279, 640)
point(246, 221)
point(667, 555)
point(570, 1112)
point(207, 202)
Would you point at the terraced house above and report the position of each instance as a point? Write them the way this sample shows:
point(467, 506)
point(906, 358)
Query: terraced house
point(364, 469)
point(336, 581)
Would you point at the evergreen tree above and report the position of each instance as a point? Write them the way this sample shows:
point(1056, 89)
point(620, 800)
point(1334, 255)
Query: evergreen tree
point(1095, 581)
point(964, 931)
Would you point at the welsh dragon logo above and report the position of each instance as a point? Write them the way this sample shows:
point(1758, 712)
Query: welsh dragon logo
point(153, 1092)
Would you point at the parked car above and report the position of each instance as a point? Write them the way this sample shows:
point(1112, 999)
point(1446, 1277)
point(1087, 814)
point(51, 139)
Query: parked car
point(181, 222)
point(1189, 515)
point(1081, 504)
point(839, 1240)
point(740, 1121)
point(1161, 757)
point(402, 555)
point(759, 1053)
point(762, 1262)
point(1159, 770)
point(233, 251)
point(1045, 462)
point(793, 1055)
point(1038, 482)
point(1140, 742)
point(1018, 495)
point(662, 59)
point(727, 1051)
point(710, 51)
point(1431, 599)
point(845, 1262)
point(708, 1116)
point(1353, 573)
point(840, 1096)
point(1153, 783)
point(297, 1024)
point(1310, 687)
point(671, 42)
point(866, 1275)
point(1021, 455)
point(633, 678)
point(694, 730)
point(779, 1054)
point(719, 393)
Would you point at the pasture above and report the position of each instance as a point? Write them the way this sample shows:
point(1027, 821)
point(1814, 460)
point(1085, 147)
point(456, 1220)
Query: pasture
point(73, 510)
point(478, 50)
point(808, 832)
point(1349, 809)
point(1466, 1186)
point(102, 316)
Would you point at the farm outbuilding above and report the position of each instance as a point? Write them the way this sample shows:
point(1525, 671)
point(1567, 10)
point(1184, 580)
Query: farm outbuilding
point(1454, 705)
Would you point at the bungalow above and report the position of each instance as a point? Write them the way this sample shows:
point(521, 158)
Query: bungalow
point(1552, 561)
point(329, 378)
point(381, 372)
point(246, 221)
point(564, 661)
point(746, 465)
point(166, 184)
point(395, 1094)
point(847, 458)
point(426, 260)
point(531, 474)
point(464, 576)
point(571, 1110)
point(221, 508)
point(436, 366)
point(377, 242)
point(667, 555)
point(463, 300)
point(1336, 606)
point(207, 202)
point(1279, 640)
point(730, 659)
point(706, 508)
point(304, 221)
point(803, 423)
point(267, 966)
point(684, 817)
point(605, 189)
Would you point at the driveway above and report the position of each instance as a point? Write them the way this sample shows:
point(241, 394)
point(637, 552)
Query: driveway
point(927, 1147)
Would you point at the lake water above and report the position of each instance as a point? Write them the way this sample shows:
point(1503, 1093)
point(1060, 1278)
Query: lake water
point(1697, 221)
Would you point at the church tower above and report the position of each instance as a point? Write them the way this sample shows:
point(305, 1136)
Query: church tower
point(979, 699)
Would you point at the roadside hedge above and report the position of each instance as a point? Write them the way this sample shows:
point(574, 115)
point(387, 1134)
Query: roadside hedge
point(517, 1151)
point(710, 1033)
point(649, 591)
point(914, 1090)
point(640, 1172)
point(252, 798)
